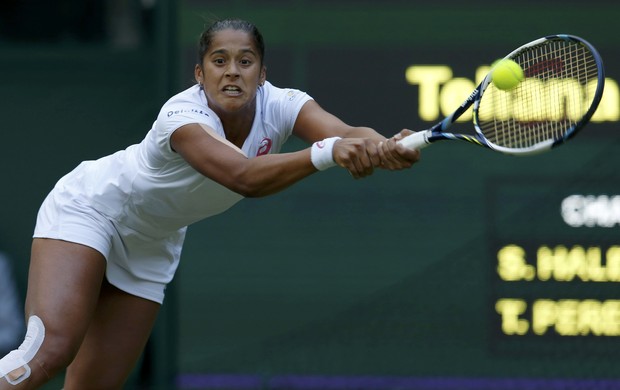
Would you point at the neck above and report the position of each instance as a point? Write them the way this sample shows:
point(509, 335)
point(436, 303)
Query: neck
point(237, 125)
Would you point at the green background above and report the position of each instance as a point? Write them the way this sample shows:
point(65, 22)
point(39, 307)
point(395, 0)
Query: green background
point(389, 276)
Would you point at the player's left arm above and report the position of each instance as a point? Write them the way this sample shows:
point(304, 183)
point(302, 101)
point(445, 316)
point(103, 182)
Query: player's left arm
point(313, 124)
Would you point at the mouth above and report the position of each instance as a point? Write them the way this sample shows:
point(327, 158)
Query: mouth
point(232, 90)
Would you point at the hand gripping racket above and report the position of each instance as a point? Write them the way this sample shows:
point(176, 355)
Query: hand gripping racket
point(563, 85)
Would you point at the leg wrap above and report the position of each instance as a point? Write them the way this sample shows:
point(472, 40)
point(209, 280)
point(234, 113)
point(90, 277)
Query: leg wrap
point(14, 366)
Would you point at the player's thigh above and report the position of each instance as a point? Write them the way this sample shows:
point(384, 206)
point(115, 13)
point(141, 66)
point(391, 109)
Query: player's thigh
point(63, 288)
point(114, 342)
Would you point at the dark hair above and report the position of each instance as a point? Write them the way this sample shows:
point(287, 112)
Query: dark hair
point(234, 24)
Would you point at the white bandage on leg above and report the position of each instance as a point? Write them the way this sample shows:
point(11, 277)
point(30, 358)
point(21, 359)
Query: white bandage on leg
point(14, 366)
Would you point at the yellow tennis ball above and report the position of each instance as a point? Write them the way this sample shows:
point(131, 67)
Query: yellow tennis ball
point(506, 74)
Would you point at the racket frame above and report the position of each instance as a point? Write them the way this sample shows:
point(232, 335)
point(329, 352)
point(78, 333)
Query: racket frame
point(438, 132)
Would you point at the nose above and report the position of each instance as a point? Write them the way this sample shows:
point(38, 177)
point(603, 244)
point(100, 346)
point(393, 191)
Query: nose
point(232, 70)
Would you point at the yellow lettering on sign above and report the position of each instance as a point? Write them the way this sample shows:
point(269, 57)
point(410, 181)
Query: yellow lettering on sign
point(512, 265)
point(440, 94)
point(429, 78)
point(564, 265)
point(543, 316)
point(609, 107)
point(510, 310)
point(571, 317)
point(453, 94)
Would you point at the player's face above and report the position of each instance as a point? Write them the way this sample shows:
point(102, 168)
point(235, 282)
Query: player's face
point(231, 72)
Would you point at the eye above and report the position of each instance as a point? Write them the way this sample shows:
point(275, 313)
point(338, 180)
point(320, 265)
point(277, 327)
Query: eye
point(245, 62)
point(219, 61)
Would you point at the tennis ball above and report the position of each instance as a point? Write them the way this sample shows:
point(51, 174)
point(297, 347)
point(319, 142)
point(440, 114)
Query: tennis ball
point(506, 74)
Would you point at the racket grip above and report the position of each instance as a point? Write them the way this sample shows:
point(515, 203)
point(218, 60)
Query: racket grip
point(417, 140)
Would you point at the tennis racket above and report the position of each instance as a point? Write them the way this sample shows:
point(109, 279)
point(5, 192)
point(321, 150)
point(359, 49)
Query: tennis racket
point(562, 87)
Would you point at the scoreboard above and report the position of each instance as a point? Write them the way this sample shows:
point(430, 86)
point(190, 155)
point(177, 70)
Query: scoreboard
point(557, 265)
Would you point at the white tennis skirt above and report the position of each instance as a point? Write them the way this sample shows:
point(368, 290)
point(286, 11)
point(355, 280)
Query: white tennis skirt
point(136, 263)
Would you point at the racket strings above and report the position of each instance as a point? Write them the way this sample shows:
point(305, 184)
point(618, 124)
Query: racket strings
point(558, 89)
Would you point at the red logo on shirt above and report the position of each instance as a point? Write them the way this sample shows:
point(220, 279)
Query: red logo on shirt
point(264, 147)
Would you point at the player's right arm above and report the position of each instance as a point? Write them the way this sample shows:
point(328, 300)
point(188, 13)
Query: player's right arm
point(217, 159)
point(224, 163)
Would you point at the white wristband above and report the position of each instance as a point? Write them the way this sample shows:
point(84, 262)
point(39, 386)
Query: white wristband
point(321, 153)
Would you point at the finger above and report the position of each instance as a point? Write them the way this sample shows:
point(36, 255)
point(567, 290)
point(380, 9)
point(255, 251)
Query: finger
point(406, 157)
point(402, 134)
point(352, 164)
point(368, 157)
point(363, 165)
point(391, 159)
point(381, 154)
point(384, 154)
point(385, 159)
point(398, 157)
point(374, 153)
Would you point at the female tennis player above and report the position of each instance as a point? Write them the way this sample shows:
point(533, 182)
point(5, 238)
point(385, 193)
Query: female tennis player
point(108, 237)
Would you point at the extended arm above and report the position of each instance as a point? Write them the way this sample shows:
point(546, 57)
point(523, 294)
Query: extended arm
point(361, 148)
point(359, 151)
point(213, 157)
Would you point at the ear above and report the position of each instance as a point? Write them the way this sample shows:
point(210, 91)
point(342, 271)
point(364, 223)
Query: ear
point(198, 75)
point(263, 75)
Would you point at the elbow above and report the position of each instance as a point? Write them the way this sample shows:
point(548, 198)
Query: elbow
point(248, 192)
point(257, 182)
point(249, 188)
